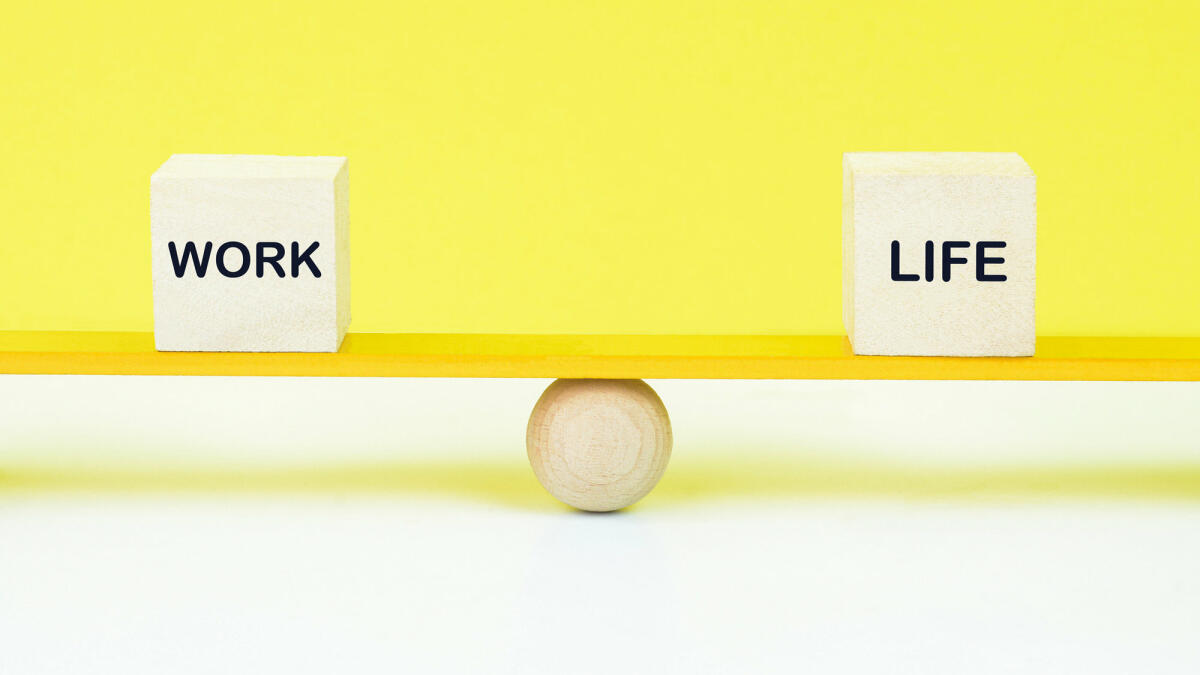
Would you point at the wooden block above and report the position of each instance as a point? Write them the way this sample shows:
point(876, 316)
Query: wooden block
point(938, 253)
point(250, 253)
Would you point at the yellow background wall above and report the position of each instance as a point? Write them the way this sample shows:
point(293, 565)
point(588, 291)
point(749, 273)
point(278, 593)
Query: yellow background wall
point(602, 166)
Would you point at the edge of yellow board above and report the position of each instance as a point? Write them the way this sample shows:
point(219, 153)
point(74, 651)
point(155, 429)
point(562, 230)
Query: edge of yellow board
point(603, 356)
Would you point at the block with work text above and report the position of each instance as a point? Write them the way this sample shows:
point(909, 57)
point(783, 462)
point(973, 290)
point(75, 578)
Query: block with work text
point(250, 253)
point(938, 253)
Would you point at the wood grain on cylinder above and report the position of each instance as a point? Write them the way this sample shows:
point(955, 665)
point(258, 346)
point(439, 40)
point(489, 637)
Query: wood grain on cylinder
point(599, 445)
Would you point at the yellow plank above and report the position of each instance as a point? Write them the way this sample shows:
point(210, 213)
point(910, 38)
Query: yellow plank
point(603, 356)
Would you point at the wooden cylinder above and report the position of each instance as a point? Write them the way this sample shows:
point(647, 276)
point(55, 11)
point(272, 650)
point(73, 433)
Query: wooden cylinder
point(599, 445)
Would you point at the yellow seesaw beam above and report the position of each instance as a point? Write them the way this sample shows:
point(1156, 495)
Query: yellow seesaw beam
point(603, 356)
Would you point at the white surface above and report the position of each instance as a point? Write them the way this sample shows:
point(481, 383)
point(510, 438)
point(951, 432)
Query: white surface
point(915, 197)
point(291, 202)
point(443, 555)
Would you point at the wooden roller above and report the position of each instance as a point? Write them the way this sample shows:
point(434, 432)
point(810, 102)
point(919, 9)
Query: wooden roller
point(599, 445)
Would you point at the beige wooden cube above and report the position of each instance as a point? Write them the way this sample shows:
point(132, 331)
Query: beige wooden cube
point(250, 253)
point(938, 253)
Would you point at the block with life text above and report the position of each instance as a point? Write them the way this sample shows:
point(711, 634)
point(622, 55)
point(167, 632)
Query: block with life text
point(939, 253)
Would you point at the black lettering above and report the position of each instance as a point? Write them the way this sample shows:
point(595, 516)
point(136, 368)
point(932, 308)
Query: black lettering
point(896, 275)
point(982, 259)
point(189, 251)
point(298, 258)
point(241, 248)
point(948, 258)
point(272, 260)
